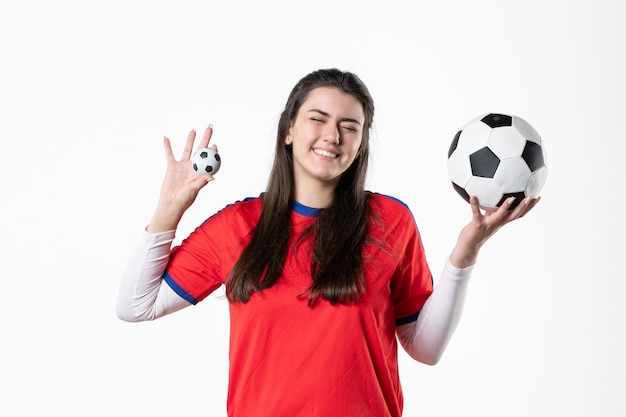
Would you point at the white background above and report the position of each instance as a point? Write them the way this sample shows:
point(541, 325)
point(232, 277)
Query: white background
point(88, 89)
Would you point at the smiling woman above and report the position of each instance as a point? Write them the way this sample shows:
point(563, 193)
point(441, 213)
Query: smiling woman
point(322, 276)
point(326, 136)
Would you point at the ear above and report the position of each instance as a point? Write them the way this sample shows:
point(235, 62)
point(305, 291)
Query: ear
point(360, 151)
point(288, 136)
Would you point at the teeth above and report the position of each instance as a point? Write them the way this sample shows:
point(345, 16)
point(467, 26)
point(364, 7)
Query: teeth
point(325, 153)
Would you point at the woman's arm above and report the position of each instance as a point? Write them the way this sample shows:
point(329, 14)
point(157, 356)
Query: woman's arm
point(426, 339)
point(143, 295)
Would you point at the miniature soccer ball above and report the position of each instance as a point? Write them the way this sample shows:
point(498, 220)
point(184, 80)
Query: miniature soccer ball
point(206, 161)
point(497, 156)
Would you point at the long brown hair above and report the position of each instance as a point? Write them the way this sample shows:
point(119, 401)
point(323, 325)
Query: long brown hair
point(341, 229)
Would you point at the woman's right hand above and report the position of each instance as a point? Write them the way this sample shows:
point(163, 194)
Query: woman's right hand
point(181, 184)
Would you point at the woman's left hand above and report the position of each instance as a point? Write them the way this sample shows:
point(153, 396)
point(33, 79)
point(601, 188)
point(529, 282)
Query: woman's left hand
point(483, 226)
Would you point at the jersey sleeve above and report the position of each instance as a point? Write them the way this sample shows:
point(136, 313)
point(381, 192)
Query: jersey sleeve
point(202, 262)
point(193, 271)
point(412, 281)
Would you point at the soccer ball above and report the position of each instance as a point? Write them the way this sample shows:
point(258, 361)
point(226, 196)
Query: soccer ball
point(206, 161)
point(497, 156)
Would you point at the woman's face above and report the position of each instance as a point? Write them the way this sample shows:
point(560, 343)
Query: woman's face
point(326, 136)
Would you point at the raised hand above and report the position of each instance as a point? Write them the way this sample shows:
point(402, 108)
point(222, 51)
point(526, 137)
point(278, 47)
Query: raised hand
point(181, 184)
point(473, 236)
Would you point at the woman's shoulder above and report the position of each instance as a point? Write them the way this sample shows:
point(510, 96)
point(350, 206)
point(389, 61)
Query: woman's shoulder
point(248, 207)
point(391, 215)
point(246, 204)
point(388, 202)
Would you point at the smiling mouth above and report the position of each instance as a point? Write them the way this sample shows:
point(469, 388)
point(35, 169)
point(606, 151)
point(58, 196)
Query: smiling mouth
point(324, 153)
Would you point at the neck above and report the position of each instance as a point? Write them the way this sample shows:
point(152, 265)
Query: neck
point(318, 196)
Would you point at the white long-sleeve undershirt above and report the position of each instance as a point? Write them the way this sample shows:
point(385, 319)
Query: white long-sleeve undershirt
point(142, 296)
point(426, 339)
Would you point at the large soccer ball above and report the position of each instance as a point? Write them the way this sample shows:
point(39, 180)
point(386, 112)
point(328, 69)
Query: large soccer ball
point(496, 156)
point(206, 161)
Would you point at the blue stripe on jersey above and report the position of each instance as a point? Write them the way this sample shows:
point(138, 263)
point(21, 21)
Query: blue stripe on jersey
point(178, 289)
point(306, 210)
point(407, 320)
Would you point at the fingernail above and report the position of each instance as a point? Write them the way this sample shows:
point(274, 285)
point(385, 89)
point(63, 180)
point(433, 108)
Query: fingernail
point(211, 125)
point(511, 200)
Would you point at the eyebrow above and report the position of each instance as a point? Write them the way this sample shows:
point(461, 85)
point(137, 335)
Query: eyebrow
point(343, 119)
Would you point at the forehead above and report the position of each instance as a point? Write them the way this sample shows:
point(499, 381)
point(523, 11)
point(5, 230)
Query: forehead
point(334, 102)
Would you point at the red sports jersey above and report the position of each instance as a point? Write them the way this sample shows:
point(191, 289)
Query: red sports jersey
point(290, 359)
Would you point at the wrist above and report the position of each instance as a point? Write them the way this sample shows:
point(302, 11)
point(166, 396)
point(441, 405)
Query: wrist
point(461, 257)
point(164, 220)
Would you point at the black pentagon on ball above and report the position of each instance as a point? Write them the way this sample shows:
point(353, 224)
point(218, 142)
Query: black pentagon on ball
point(494, 120)
point(484, 163)
point(204, 154)
point(533, 155)
point(208, 169)
point(217, 157)
point(195, 167)
point(519, 196)
point(461, 192)
point(454, 144)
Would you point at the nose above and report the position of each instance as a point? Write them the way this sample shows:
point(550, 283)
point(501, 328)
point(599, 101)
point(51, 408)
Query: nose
point(331, 135)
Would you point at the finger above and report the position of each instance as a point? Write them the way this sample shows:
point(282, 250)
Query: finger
point(519, 209)
point(189, 145)
point(504, 212)
point(202, 180)
point(475, 207)
point(531, 204)
point(206, 137)
point(167, 147)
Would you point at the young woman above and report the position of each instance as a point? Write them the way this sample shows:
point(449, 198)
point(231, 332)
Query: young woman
point(322, 276)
